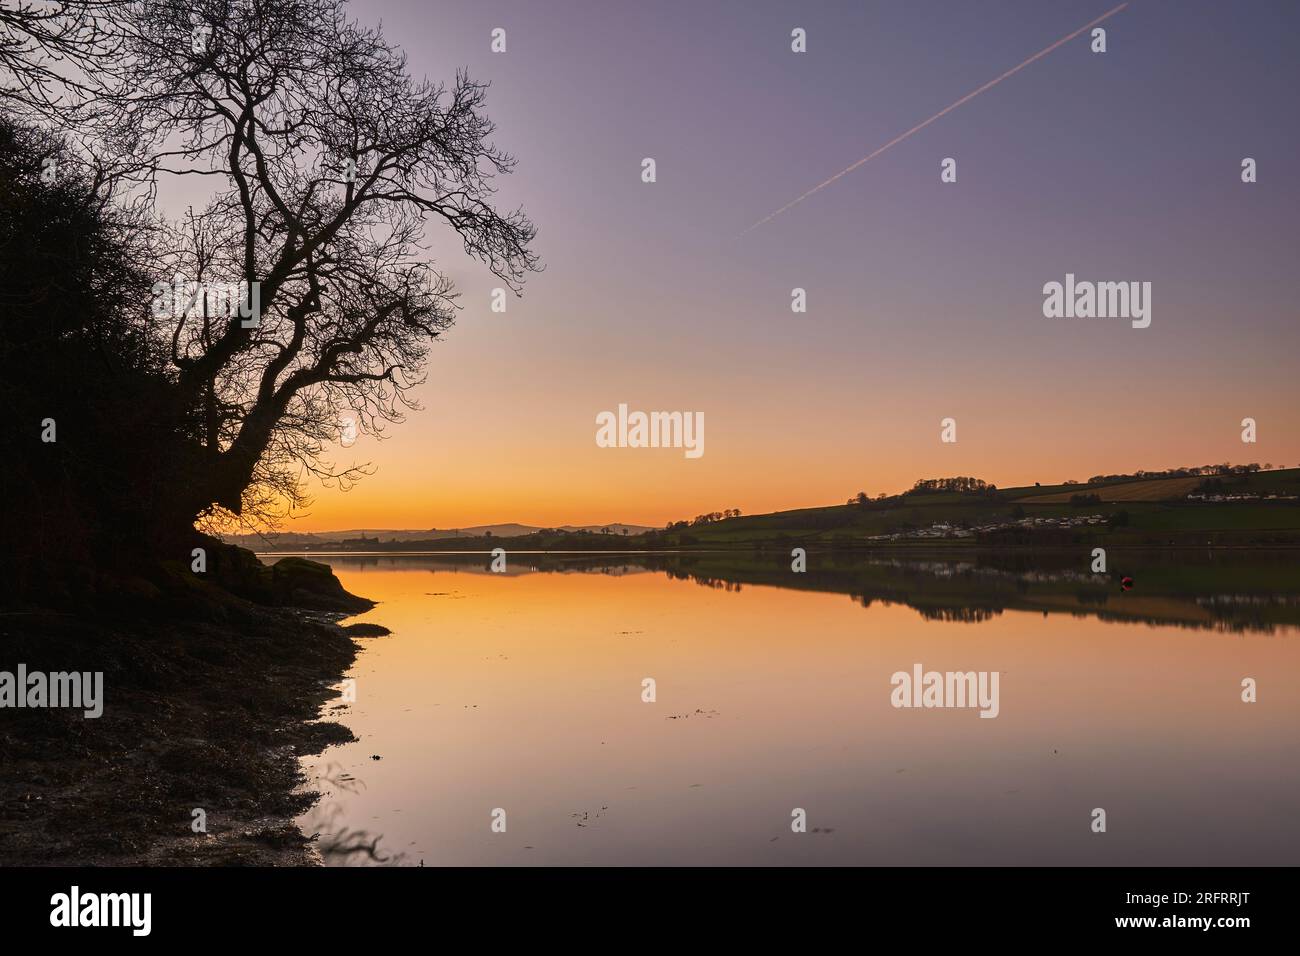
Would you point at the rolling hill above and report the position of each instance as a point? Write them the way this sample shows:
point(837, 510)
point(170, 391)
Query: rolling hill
point(1247, 510)
point(1158, 489)
point(285, 541)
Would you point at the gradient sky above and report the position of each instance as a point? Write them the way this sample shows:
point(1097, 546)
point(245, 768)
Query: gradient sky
point(924, 298)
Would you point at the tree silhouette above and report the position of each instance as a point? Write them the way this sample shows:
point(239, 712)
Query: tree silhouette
point(325, 162)
point(327, 159)
point(87, 442)
point(57, 53)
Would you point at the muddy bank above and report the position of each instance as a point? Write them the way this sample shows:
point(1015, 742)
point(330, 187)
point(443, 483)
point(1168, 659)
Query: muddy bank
point(206, 706)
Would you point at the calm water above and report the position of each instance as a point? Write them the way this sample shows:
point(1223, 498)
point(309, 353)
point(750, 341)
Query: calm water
point(523, 691)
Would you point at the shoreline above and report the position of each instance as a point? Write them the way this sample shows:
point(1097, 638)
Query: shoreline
point(819, 547)
point(204, 711)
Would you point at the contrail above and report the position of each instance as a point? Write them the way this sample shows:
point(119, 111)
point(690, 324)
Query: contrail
point(943, 112)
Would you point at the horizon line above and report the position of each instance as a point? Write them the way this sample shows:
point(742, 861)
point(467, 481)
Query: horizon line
point(1141, 475)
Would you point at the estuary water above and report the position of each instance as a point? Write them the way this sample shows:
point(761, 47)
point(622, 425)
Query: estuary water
point(507, 719)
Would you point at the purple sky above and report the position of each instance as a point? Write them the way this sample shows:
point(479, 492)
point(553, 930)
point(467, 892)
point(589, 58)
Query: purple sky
point(924, 298)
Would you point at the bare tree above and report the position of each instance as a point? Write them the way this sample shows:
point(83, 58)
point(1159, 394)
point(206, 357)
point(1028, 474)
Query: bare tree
point(326, 161)
point(56, 53)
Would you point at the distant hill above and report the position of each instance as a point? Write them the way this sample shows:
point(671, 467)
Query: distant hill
point(286, 541)
point(1253, 509)
point(1154, 489)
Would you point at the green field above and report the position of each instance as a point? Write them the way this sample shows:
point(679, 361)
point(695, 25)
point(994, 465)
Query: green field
point(1152, 512)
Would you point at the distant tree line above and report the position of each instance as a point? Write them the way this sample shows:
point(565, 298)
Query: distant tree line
point(1190, 472)
point(862, 499)
point(960, 483)
point(708, 518)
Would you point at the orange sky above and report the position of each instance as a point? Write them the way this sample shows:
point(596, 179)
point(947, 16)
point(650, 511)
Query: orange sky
point(924, 299)
point(486, 455)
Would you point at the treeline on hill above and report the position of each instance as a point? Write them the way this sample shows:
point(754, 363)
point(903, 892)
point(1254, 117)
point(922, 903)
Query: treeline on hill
point(961, 484)
point(708, 518)
point(1190, 472)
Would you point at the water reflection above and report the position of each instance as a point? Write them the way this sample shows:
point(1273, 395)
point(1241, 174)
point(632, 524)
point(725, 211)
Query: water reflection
point(522, 692)
point(326, 823)
point(1232, 590)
